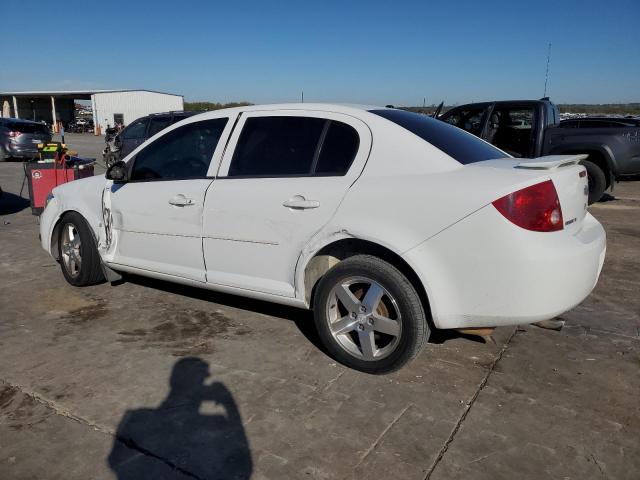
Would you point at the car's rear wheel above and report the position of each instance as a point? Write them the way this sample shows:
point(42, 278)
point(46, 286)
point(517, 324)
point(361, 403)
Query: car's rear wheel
point(3, 155)
point(369, 316)
point(77, 251)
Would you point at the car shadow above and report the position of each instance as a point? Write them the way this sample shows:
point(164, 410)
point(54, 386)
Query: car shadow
point(303, 319)
point(11, 203)
point(182, 437)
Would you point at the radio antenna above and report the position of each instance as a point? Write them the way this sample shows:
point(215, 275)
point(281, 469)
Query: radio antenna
point(546, 75)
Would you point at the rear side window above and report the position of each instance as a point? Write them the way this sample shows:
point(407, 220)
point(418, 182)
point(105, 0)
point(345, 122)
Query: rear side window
point(182, 153)
point(459, 145)
point(136, 130)
point(277, 146)
point(157, 124)
point(338, 149)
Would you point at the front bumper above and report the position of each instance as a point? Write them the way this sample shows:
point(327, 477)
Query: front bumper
point(484, 271)
point(48, 219)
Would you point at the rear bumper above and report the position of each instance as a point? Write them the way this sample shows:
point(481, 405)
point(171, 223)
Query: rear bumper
point(21, 151)
point(485, 271)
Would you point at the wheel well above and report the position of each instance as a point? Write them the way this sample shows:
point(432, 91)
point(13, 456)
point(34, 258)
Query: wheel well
point(55, 236)
point(335, 252)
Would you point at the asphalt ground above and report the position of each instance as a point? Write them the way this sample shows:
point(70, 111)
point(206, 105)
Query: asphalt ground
point(148, 379)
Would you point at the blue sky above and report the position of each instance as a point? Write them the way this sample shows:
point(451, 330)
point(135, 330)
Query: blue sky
point(365, 52)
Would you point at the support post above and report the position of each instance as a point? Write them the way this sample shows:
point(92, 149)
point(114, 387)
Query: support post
point(54, 123)
point(15, 107)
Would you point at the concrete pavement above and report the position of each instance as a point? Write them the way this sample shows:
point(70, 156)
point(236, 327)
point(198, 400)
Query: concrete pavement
point(153, 380)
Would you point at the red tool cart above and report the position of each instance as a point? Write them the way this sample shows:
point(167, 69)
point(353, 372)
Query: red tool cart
point(54, 167)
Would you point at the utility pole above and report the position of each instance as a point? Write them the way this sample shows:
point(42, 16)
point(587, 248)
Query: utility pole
point(546, 75)
point(424, 102)
point(302, 96)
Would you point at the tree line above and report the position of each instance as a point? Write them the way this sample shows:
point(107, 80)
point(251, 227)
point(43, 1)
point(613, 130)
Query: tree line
point(592, 109)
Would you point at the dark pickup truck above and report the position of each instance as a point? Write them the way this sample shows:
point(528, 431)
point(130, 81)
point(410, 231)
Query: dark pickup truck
point(532, 128)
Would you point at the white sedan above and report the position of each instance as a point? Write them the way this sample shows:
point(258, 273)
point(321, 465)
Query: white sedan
point(386, 223)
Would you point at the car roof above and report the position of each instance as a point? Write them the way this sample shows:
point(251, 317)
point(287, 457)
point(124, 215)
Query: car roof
point(348, 109)
point(17, 120)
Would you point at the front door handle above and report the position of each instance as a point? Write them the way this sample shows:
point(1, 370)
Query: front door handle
point(181, 201)
point(300, 203)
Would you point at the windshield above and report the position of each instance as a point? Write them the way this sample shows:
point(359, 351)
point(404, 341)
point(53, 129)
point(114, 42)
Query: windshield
point(458, 144)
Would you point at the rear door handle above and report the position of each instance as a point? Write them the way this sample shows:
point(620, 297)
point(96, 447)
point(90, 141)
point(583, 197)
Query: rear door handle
point(300, 203)
point(181, 201)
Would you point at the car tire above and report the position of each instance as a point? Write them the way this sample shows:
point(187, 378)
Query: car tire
point(3, 155)
point(369, 316)
point(596, 179)
point(77, 251)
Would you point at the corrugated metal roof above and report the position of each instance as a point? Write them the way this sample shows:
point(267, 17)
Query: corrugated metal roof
point(80, 92)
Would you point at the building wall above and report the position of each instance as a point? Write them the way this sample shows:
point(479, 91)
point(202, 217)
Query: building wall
point(132, 105)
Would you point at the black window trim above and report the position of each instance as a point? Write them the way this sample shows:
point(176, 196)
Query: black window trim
point(316, 157)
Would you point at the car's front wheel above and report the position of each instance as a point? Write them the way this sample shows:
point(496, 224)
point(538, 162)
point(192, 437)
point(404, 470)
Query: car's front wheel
point(77, 251)
point(369, 316)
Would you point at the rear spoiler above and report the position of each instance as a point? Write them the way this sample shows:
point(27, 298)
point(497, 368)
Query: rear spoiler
point(551, 162)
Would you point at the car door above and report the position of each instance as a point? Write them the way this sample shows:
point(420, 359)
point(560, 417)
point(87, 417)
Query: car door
point(280, 181)
point(133, 136)
point(154, 220)
point(513, 129)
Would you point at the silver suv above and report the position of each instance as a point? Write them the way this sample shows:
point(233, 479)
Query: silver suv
point(20, 138)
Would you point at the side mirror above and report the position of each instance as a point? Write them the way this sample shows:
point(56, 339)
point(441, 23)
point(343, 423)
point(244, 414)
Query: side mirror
point(117, 172)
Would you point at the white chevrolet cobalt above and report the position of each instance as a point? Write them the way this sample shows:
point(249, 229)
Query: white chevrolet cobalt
point(386, 223)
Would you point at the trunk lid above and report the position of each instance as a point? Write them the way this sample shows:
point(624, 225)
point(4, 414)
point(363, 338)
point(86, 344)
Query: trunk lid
point(568, 176)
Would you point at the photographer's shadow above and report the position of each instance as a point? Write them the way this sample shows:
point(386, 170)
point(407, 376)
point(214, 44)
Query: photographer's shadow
point(177, 439)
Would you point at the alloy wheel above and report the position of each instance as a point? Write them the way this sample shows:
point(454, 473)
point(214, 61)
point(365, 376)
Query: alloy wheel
point(364, 318)
point(71, 249)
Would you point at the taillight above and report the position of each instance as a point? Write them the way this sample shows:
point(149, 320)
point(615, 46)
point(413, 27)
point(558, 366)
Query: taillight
point(15, 134)
point(534, 208)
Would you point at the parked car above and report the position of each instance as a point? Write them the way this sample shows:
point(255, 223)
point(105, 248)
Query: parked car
point(600, 122)
point(146, 127)
point(531, 128)
point(20, 138)
point(386, 223)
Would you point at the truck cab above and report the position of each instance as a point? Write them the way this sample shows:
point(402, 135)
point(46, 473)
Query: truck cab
point(532, 128)
point(517, 127)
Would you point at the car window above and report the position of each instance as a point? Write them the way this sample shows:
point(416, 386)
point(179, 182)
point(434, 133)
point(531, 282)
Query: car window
point(469, 119)
point(179, 116)
point(136, 130)
point(603, 124)
point(277, 146)
point(511, 129)
point(24, 127)
point(569, 123)
point(338, 149)
point(158, 123)
point(182, 153)
point(454, 142)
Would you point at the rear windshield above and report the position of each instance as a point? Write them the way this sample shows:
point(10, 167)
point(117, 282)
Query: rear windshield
point(27, 127)
point(458, 144)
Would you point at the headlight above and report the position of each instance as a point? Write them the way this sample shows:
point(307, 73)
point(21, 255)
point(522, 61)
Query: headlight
point(49, 198)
